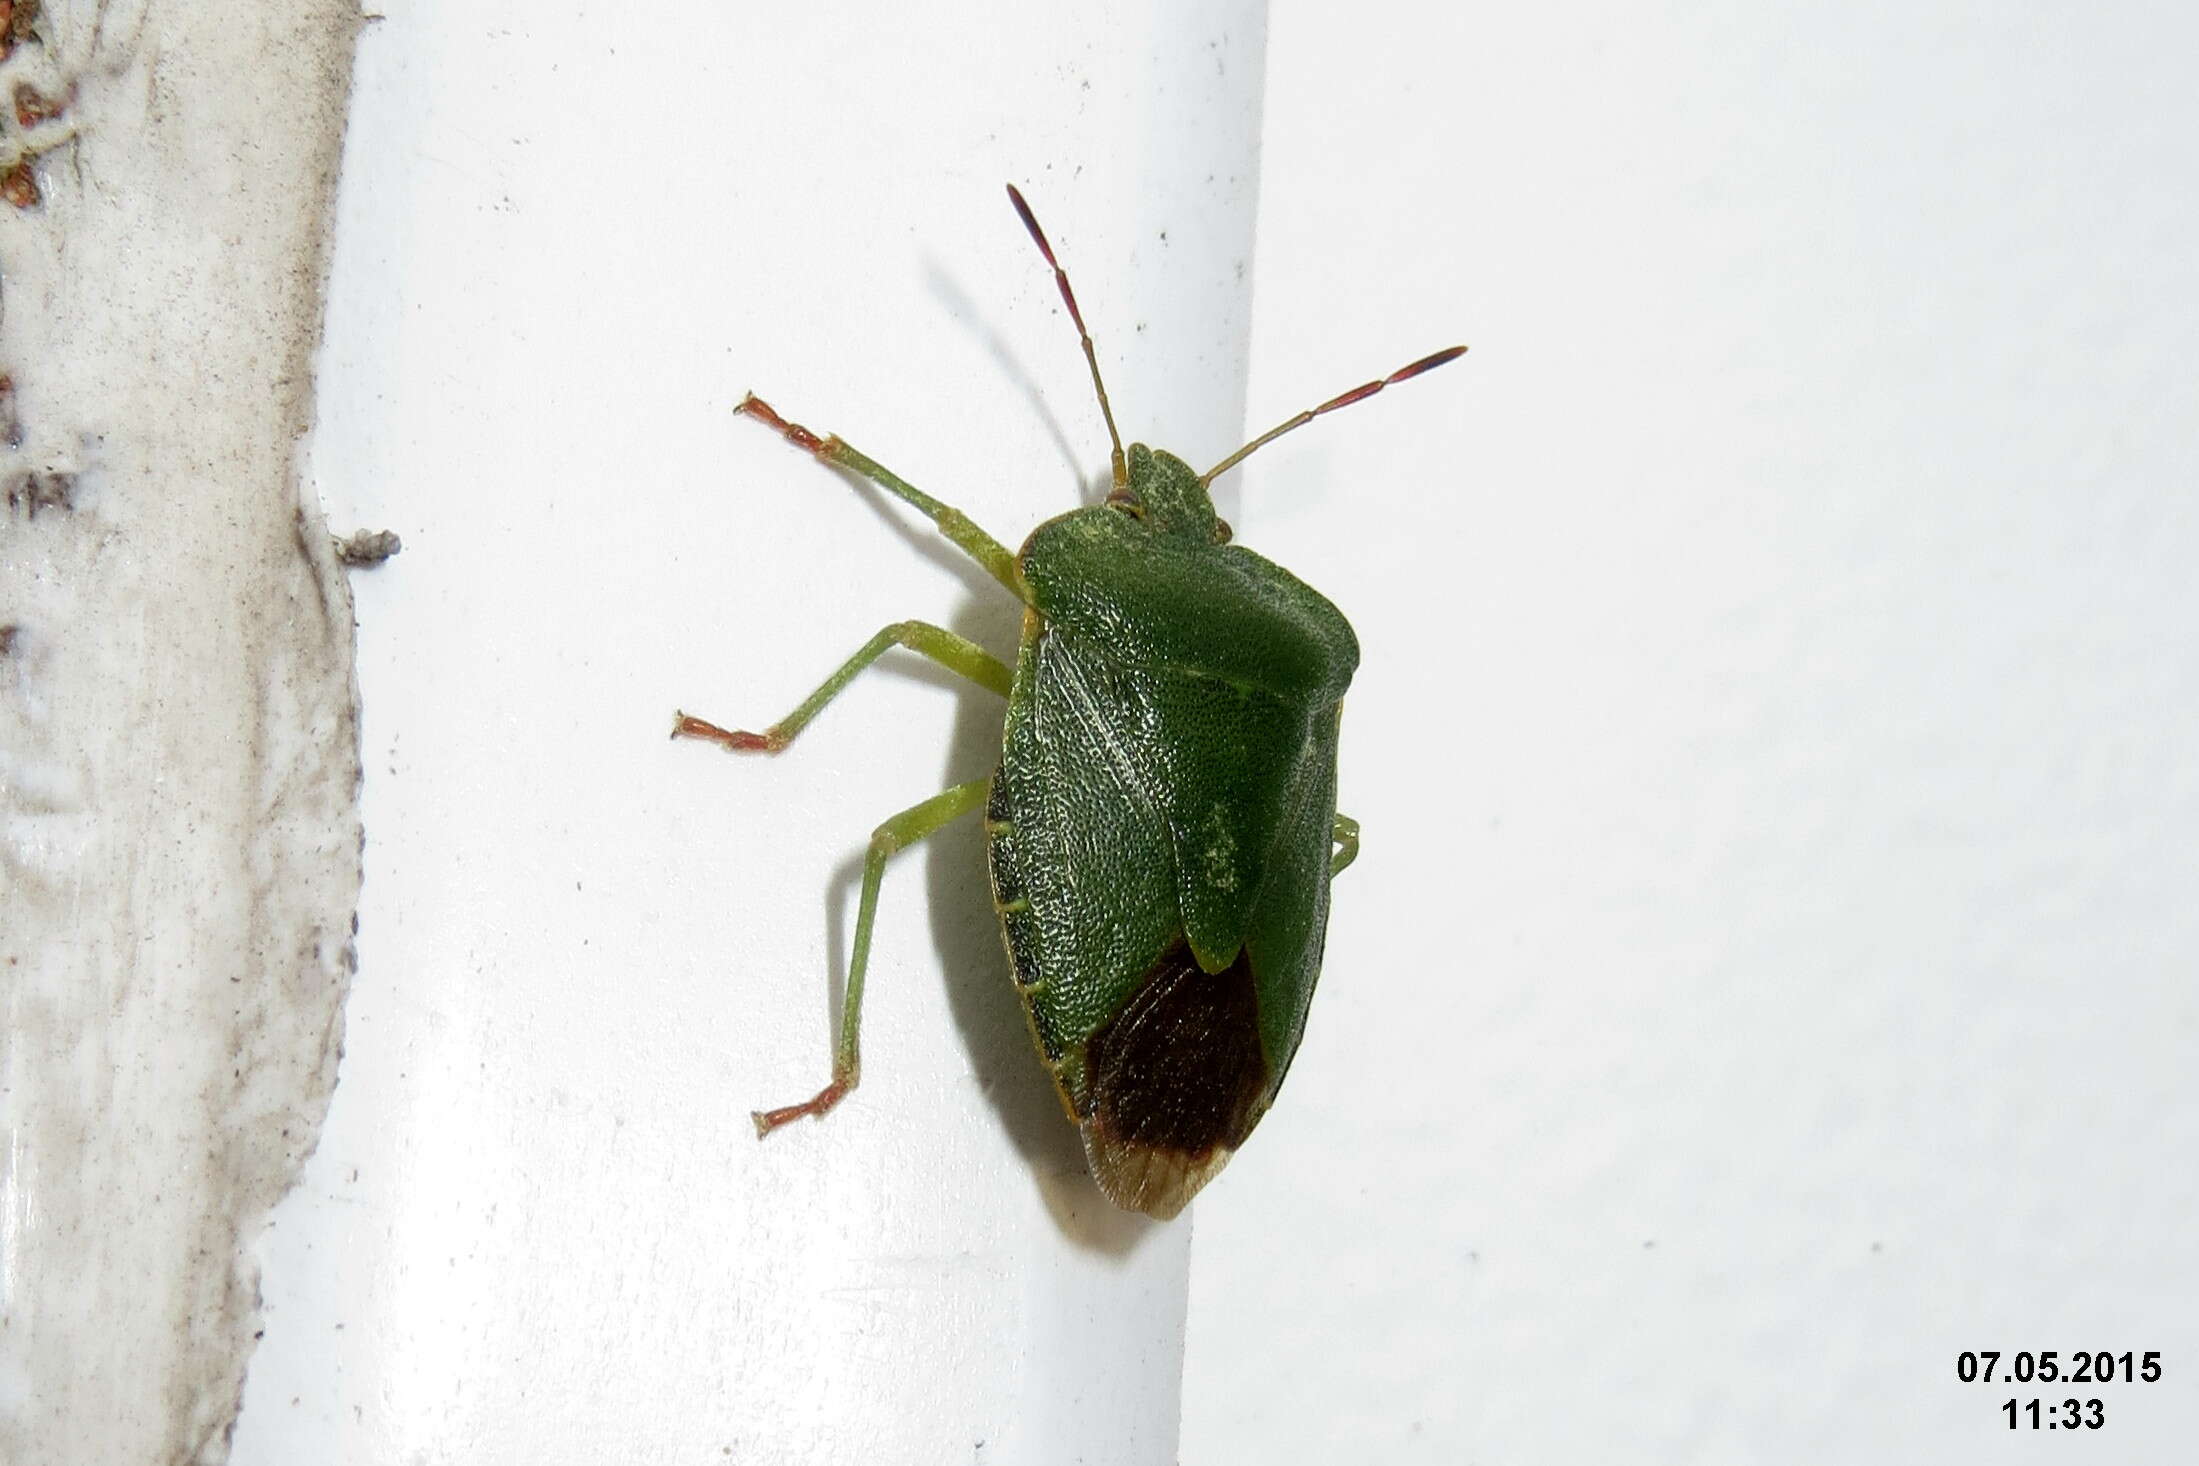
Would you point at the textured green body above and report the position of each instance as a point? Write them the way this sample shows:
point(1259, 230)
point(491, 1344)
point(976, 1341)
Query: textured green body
point(1167, 783)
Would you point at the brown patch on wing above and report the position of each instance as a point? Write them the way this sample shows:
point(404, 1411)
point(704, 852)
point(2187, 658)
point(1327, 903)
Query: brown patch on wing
point(1177, 1079)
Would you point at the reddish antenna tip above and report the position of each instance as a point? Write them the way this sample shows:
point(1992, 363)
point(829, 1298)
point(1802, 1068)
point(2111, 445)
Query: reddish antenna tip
point(1428, 363)
point(1030, 220)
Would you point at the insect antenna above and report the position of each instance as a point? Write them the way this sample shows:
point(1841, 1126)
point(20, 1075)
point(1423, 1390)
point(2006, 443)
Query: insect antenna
point(1356, 394)
point(1068, 298)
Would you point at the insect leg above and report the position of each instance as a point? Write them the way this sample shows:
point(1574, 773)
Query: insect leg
point(903, 830)
point(1345, 833)
point(954, 653)
point(998, 560)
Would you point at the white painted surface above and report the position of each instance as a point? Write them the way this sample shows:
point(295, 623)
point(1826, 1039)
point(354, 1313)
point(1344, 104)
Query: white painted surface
point(179, 846)
point(540, 1227)
point(1770, 971)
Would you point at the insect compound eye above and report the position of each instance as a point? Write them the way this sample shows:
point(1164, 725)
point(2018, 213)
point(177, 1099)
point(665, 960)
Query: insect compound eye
point(1222, 532)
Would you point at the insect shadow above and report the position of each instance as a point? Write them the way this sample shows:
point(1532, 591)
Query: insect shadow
point(981, 992)
point(969, 315)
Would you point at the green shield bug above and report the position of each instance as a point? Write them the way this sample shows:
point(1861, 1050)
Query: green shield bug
point(1162, 827)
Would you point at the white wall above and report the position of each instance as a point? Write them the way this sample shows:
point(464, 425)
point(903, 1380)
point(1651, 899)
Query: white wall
point(1770, 972)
